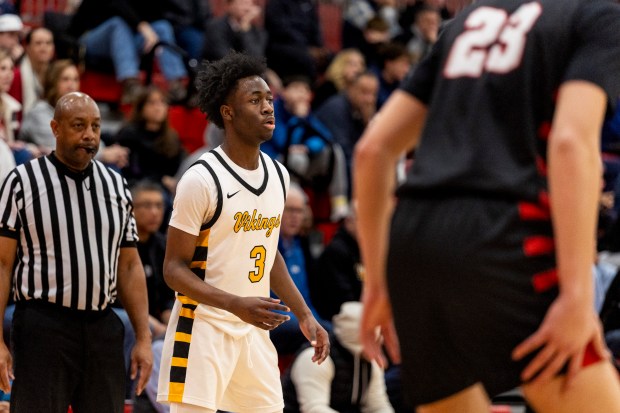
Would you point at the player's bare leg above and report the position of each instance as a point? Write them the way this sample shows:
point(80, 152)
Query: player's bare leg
point(595, 389)
point(471, 400)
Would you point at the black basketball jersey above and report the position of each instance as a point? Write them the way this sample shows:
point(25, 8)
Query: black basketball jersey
point(490, 85)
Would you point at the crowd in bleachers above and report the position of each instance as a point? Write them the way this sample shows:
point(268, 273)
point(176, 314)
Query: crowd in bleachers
point(325, 97)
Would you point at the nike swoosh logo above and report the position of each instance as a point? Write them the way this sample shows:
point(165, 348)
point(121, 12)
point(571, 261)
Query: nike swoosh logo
point(233, 194)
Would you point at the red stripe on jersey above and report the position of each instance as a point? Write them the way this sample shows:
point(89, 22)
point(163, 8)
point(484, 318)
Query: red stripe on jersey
point(538, 245)
point(529, 211)
point(544, 129)
point(590, 356)
point(541, 165)
point(545, 280)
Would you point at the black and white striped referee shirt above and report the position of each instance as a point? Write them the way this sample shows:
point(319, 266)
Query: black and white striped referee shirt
point(69, 229)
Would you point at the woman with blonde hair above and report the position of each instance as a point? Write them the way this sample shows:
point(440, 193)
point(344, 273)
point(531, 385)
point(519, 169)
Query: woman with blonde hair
point(9, 111)
point(343, 69)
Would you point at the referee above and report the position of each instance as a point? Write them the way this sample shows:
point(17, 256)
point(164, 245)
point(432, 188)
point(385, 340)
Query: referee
point(67, 247)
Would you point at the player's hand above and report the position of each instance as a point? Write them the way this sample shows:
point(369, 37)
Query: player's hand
point(566, 330)
point(318, 337)
point(6, 368)
point(377, 327)
point(260, 311)
point(141, 362)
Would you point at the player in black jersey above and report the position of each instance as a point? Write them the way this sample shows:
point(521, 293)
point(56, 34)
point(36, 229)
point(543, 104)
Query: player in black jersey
point(490, 249)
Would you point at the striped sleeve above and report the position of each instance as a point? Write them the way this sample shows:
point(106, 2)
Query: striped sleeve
point(11, 194)
point(130, 238)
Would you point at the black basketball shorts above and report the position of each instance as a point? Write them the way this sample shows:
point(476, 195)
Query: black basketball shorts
point(469, 279)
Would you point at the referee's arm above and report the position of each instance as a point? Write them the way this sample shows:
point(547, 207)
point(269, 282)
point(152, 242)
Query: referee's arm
point(8, 251)
point(133, 295)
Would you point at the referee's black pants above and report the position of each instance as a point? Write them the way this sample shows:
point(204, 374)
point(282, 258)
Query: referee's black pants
point(66, 357)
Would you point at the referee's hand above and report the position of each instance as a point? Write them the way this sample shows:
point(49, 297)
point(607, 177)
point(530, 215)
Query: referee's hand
point(141, 363)
point(6, 368)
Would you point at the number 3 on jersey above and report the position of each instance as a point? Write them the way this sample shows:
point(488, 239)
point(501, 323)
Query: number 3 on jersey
point(258, 254)
point(491, 41)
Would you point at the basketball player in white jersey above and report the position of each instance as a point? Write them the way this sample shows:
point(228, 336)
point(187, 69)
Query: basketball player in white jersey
point(222, 258)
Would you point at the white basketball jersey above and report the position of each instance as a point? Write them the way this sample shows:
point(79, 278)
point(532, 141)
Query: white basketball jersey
point(237, 245)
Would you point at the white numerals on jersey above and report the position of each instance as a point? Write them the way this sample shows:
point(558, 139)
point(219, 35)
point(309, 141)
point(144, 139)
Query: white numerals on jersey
point(492, 41)
point(258, 254)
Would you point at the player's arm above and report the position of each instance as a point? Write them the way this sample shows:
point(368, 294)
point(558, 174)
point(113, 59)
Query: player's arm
point(8, 252)
point(133, 295)
point(574, 189)
point(257, 311)
point(285, 288)
point(394, 131)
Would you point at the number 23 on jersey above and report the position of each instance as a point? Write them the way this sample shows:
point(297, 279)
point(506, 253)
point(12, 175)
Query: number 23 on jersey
point(492, 41)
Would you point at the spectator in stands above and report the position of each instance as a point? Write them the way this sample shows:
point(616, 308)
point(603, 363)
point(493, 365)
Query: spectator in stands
point(148, 203)
point(27, 85)
point(9, 109)
point(358, 13)
point(10, 29)
point(339, 270)
point(288, 338)
point(155, 148)
point(346, 382)
point(394, 66)
point(343, 69)
point(236, 30)
point(295, 45)
point(375, 36)
point(7, 160)
point(123, 30)
point(420, 37)
point(62, 77)
point(347, 114)
point(408, 13)
point(306, 147)
point(189, 19)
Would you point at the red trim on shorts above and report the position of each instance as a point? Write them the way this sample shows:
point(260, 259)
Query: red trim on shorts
point(590, 356)
point(529, 212)
point(543, 199)
point(545, 280)
point(538, 245)
point(541, 166)
point(544, 129)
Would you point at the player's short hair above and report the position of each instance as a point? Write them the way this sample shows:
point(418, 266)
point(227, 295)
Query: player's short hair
point(216, 80)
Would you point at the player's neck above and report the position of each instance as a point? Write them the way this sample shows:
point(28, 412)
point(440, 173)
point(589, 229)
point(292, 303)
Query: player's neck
point(245, 156)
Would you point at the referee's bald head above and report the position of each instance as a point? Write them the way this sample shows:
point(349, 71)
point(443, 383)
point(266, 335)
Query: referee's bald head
point(70, 102)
